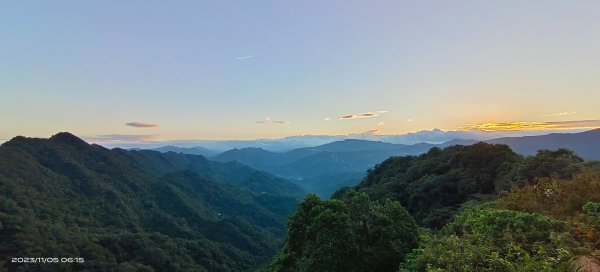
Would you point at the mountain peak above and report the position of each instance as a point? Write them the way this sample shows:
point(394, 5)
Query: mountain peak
point(15, 140)
point(66, 137)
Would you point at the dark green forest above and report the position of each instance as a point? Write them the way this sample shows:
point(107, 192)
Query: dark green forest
point(462, 208)
point(135, 210)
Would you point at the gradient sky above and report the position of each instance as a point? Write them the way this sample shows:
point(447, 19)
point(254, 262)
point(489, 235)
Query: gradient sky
point(268, 69)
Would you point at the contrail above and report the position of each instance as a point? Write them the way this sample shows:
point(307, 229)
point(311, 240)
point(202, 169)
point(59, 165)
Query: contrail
point(559, 114)
point(245, 57)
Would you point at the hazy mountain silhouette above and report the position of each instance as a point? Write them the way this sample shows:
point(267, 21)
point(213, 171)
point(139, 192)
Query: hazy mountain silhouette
point(585, 144)
point(198, 150)
point(323, 167)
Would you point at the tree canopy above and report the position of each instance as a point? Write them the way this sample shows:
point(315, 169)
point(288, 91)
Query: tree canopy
point(354, 234)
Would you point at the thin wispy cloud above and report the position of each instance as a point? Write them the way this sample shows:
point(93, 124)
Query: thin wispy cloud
point(362, 115)
point(327, 119)
point(246, 57)
point(527, 126)
point(141, 125)
point(269, 121)
point(371, 132)
point(560, 114)
point(409, 120)
point(381, 123)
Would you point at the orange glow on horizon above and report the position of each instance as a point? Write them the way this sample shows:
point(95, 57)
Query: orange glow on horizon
point(532, 126)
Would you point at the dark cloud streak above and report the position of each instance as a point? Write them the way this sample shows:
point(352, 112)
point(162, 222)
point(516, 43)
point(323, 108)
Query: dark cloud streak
point(141, 125)
point(361, 115)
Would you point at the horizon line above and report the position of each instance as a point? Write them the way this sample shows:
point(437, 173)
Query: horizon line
point(90, 139)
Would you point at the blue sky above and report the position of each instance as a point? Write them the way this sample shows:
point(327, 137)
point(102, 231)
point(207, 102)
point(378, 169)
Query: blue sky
point(268, 69)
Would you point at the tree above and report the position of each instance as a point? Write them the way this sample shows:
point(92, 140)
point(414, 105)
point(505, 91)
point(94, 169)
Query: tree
point(354, 234)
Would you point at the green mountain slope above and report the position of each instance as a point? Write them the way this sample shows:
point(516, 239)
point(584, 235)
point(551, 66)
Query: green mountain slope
point(61, 197)
point(433, 186)
point(232, 172)
point(480, 207)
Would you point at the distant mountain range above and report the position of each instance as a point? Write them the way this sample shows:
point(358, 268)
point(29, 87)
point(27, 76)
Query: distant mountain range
point(198, 150)
point(434, 136)
point(324, 168)
point(136, 210)
point(585, 144)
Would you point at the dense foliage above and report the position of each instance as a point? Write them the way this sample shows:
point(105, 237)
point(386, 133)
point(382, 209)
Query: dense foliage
point(491, 239)
point(553, 225)
point(489, 209)
point(560, 163)
point(61, 197)
point(433, 186)
point(353, 234)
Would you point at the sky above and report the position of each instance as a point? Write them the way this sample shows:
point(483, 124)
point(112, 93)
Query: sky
point(156, 71)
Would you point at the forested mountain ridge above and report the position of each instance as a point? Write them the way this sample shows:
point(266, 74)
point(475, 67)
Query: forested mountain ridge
point(232, 172)
point(481, 207)
point(61, 197)
point(434, 185)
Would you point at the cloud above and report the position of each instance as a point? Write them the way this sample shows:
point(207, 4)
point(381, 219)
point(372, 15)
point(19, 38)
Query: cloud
point(327, 119)
point(381, 123)
point(269, 121)
point(368, 133)
point(141, 125)
point(121, 138)
point(361, 115)
point(371, 132)
point(560, 114)
point(520, 126)
point(409, 120)
point(246, 57)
